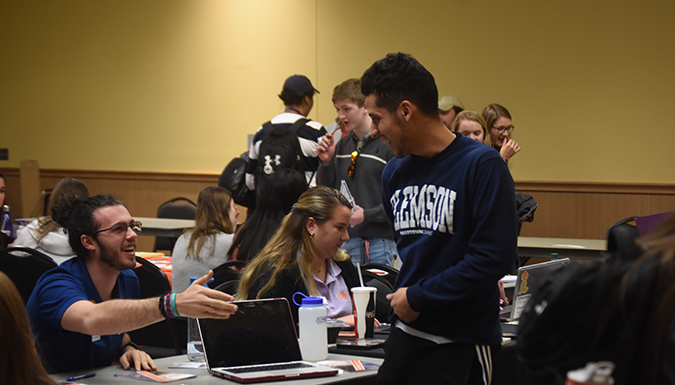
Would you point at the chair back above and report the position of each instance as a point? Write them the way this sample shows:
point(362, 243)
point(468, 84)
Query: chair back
point(621, 238)
point(176, 208)
point(153, 283)
point(226, 272)
point(229, 287)
point(24, 268)
point(383, 288)
point(387, 272)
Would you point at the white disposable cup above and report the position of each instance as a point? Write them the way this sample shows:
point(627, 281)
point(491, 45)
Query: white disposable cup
point(364, 314)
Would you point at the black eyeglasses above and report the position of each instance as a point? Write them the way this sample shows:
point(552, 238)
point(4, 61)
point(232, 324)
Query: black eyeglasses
point(122, 228)
point(354, 157)
point(502, 129)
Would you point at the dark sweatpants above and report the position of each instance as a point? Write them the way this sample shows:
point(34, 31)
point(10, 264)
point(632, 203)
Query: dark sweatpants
point(413, 360)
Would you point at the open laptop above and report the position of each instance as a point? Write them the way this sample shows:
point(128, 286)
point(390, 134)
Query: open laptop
point(258, 343)
point(529, 278)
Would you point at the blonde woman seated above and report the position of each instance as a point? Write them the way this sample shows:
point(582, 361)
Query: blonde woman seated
point(205, 247)
point(304, 256)
point(44, 234)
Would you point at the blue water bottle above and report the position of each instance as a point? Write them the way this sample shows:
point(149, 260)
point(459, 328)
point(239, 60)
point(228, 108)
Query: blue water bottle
point(195, 352)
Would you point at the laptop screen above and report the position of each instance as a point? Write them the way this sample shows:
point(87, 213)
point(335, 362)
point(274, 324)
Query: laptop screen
point(260, 332)
point(530, 277)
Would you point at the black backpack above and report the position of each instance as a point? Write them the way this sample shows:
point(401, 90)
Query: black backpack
point(578, 316)
point(279, 149)
point(233, 179)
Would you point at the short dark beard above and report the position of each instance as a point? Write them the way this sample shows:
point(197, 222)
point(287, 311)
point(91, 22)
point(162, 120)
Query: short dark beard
point(106, 256)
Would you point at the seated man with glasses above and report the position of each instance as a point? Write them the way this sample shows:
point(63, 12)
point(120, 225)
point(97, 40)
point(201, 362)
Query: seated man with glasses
point(82, 310)
point(358, 160)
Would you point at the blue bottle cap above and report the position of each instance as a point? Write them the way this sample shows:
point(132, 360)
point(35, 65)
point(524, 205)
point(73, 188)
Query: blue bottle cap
point(312, 301)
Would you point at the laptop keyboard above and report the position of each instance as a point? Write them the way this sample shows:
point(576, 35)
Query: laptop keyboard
point(262, 368)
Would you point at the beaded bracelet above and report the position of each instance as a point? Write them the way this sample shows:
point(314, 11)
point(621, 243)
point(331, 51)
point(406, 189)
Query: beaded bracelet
point(162, 310)
point(167, 305)
point(173, 305)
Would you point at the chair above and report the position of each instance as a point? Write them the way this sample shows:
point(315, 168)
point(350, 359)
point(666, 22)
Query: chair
point(229, 287)
point(621, 238)
point(387, 272)
point(153, 283)
point(25, 270)
point(226, 272)
point(383, 288)
point(176, 208)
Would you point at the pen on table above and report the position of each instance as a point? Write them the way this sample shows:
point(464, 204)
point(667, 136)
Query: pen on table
point(75, 378)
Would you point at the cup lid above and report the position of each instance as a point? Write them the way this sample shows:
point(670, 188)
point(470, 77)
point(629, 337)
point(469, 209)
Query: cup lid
point(363, 289)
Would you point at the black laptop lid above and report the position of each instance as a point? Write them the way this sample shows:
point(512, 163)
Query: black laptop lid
point(260, 332)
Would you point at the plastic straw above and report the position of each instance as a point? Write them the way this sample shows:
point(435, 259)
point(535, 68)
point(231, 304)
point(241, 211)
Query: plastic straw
point(358, 268)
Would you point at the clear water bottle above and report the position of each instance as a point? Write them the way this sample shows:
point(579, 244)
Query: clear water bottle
point(195, 351)
point(313, 329)
point(7, 226)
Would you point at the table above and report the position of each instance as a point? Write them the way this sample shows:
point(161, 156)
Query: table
point(565, 247)
point(106, 375)
point(165, 227)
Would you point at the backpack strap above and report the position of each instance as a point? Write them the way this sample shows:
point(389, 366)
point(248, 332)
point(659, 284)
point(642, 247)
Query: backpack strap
point(268, 127)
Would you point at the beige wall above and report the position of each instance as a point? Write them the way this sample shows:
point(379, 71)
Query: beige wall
point(176, 86)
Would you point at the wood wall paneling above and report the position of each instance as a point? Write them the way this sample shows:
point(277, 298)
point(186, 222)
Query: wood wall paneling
point(566, 210)
point(586, 210)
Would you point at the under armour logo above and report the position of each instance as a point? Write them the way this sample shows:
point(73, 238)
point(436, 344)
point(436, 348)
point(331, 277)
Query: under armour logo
point(269, 169)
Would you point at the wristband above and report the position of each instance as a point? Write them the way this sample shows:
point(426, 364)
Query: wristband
point(162, 309)
point(133, 345)
point(167, 305)
point(173, 305)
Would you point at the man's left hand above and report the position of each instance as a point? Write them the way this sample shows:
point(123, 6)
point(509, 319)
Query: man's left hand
point(141, 360)
point(399, 302)
point(357, 217)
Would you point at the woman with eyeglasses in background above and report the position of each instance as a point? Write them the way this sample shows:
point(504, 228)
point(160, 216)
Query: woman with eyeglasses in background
point(205, 247)
point(498, 121)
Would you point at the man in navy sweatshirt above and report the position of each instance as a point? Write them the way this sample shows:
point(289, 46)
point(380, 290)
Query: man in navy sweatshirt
point(449, 201)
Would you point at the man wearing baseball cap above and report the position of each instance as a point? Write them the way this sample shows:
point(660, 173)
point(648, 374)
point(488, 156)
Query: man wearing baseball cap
point(298, 97)
point(448, 107)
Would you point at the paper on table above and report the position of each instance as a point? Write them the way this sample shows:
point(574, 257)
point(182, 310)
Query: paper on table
point(156, 376)
point(350, 366)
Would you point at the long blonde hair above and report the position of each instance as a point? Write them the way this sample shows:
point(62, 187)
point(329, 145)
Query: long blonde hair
point(19, 361)
point(281, 251)
point(212, 218)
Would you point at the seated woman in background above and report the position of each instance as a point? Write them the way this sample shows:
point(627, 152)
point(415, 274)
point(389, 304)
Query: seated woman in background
point(205, 247)
point(304, 256)
point(281, 190)
point(498, 123)
point(18, 357)
point(44, 234)
point(470, 124)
